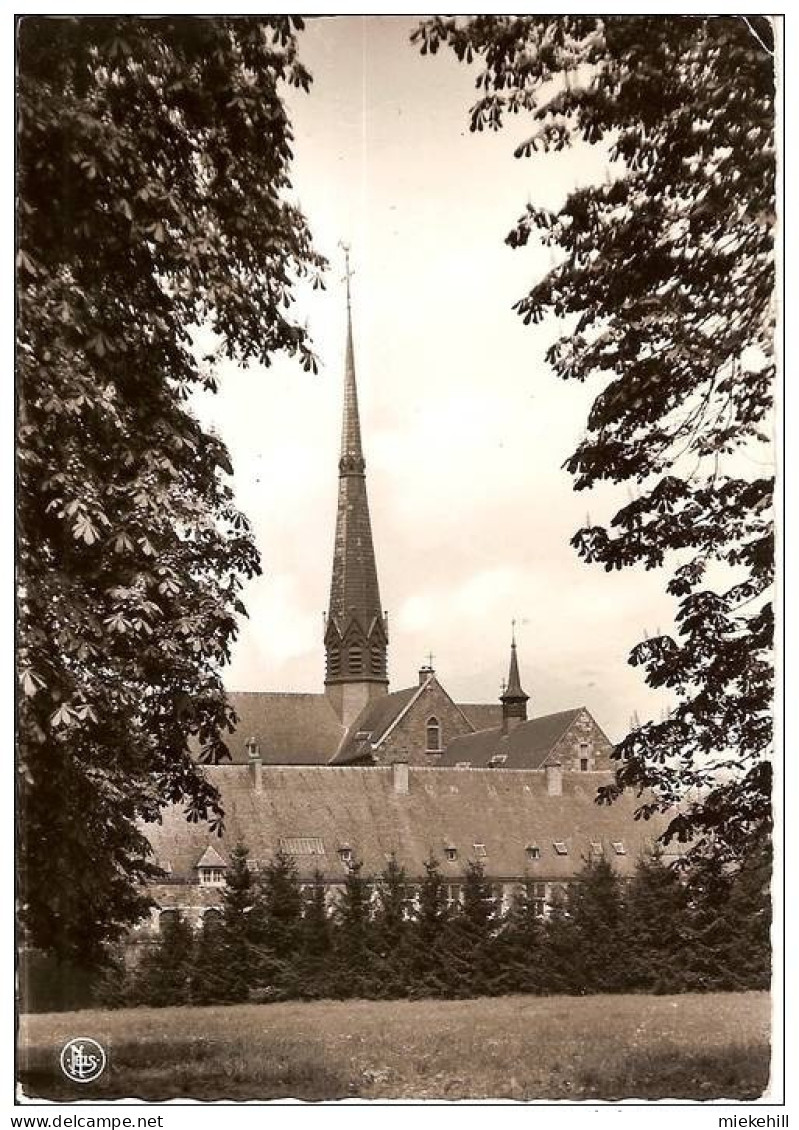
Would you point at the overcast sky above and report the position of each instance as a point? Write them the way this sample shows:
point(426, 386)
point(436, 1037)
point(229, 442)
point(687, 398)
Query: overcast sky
point(465, 427)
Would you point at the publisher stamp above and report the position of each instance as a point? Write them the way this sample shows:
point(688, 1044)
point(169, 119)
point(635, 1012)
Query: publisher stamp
point(82, 1059)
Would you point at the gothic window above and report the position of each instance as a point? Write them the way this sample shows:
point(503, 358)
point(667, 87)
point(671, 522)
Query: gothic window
point(356, 659)
point(213, 916)
point(433, 731)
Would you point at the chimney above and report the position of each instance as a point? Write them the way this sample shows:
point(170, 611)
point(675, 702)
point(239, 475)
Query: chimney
point(554, 780)
point(400, 773)
point(254, 751)
point(425, 673)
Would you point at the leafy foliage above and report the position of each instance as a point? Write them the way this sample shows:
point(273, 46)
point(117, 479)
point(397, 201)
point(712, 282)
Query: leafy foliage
point(153, 178)
point(666, 275)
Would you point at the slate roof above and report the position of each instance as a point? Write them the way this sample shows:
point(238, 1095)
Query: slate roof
point(374, 719)
point(482, 715)
point(291, 729)
point(505, 810)
point(525, 747)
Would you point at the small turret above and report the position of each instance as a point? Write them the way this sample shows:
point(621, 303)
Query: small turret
point(514, 700)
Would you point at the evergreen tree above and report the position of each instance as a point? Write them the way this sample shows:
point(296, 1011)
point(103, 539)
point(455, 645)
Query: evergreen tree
point(596, 913)
point(521, 939)
point(315, 943)
point(391, 932)
point(749, 918)
point(470, 940)
point(429, 962)
point(657, 923)
point(276, 925)
point(560, 956)
point(239, 928)
point(164, 973)
point(710, 964)
point(209, 981)
point(354, 975)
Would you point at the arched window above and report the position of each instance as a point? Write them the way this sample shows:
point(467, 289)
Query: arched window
point(356, 659)
point(168, 917)
point(433, 732)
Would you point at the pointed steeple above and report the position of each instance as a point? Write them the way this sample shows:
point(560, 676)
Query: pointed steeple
point(356, 632)
point(514, 700)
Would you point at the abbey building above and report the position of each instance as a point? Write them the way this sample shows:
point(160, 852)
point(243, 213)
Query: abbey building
point(361, 772)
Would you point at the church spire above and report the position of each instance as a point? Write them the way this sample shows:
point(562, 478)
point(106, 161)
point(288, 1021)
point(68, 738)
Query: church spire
point(356, 634)
point(514, 700)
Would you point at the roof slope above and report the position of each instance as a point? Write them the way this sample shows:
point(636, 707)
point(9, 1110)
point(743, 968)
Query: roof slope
point(504, 810)
point(291, 729)
point(374, 720)
point(525, 747)
point(482, 715)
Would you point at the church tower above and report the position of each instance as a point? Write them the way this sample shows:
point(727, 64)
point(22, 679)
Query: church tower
point(356, 629)
point(514, 700)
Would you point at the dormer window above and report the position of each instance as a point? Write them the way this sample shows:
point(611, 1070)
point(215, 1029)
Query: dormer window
point(433, 734)
point(560, 847)
point(619, 848)
point(451, 852)
point(211, 876)
point(532, 851)
point(496, 760)
point(345, 853)
point(211, 868)
point(480, 851)
point(596, 847)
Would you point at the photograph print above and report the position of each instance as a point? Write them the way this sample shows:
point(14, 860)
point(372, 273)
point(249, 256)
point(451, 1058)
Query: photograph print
point(395, 479)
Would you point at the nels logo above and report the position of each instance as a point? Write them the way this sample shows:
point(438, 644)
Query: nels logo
point(82, 1059)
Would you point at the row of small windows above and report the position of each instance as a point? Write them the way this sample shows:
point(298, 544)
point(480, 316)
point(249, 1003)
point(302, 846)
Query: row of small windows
point(314, 846)
point(500, 894)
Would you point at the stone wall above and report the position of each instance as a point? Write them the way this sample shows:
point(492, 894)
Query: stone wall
point(582, 739)
point(409, 738)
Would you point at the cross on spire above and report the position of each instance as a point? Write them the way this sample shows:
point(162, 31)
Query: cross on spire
point(430, 658)
point(348, 271)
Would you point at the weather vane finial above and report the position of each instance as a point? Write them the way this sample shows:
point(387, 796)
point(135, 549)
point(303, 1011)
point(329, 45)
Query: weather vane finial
point(348, 272)
point(513, 632)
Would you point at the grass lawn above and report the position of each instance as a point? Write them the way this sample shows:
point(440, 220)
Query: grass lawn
point(603, 1047)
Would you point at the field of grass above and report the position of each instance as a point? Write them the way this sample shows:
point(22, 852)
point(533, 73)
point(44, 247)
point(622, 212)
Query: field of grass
point(603, 1047)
